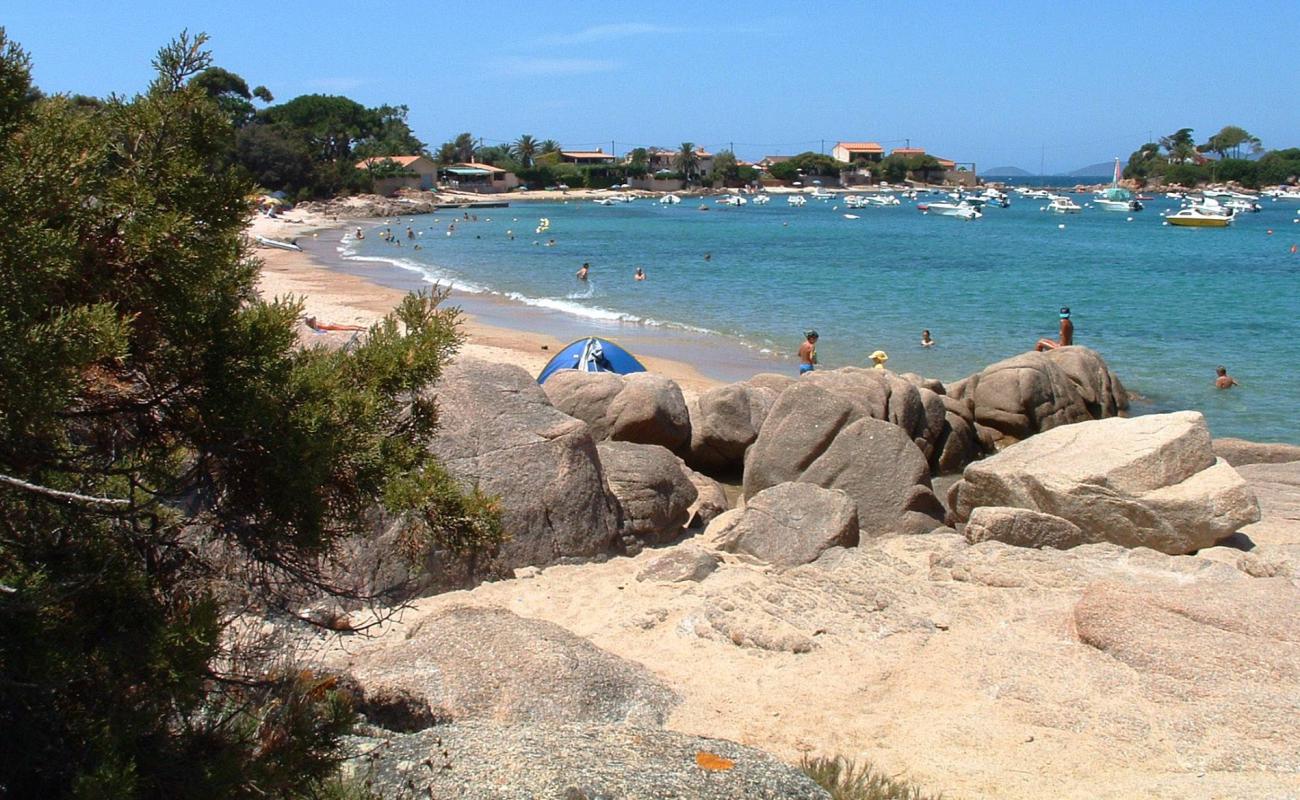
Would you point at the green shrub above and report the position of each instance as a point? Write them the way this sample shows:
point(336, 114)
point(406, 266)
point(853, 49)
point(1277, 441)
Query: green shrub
point(847, 781)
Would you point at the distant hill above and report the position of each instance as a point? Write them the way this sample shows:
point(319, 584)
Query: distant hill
point(1006, 172)
point(1093, 170)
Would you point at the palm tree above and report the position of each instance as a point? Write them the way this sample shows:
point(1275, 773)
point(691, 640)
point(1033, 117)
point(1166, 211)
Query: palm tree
point(525, 149)
point(447, 154)
point(550, 146)
point(687, 161)
point(465, 147)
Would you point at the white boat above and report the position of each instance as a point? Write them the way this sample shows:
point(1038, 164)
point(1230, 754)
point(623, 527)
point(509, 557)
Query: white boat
point(1243, 206)
point(604, 201)
point(1063, 205)
point(797, 200)
point(1198, 217)
point(881, 200)
point(852, 216)
point(762, 199)
point(1035, 194)
point(731, 200)
point(1283, 193)
point(960, 210)
point(265, 242)
point(670, 200)
point(821, 194)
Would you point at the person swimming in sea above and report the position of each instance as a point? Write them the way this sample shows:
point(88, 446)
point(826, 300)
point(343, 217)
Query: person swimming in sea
point(808, 352)
point(639, 274)
point(1224, 380)
point(926, 341)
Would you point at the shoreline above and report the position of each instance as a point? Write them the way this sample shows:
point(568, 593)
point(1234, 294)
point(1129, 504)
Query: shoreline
point(360, 292)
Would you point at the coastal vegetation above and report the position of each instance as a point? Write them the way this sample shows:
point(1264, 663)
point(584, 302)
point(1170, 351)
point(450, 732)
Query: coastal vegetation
point(172, 462)
point(1231, 154)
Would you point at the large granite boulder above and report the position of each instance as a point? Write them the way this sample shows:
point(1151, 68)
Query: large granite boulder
point(641, 407)
point(498, 431)
point(653, 489)
point(1277, 486)
point(486, 663)
point(1034, 392)
point(793, 523)
point(482, 760)
point(882, 395)
point(586, 396)
point(1146, 482)
point(1022, 528)
point(824, 437)
point(710, 500)
point(724, 422)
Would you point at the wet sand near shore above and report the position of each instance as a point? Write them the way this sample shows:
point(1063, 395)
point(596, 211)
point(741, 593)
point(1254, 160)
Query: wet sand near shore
point(351, 292)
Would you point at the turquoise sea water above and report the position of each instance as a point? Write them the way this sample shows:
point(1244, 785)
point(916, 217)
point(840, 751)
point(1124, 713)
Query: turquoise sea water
point(1163, 305)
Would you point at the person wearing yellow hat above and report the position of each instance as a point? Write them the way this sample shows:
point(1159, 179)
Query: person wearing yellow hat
point(880, 357)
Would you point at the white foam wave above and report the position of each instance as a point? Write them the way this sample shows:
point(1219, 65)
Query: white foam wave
point(429, 272)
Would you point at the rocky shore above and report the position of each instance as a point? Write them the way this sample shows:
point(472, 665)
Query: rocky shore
point(998, 588)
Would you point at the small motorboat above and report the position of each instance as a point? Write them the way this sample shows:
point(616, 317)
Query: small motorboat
point(731, 200)
point(1063, 205)
point(797, 200)
point(670, 200)
point(959, 210)
point(1199, 217)
point(762, 200)
point(265, 242)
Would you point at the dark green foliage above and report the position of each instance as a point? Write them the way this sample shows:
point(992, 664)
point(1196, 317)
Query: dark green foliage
point(1177, 159)
point(1279, 166)
point(163, 438)
point(808, 165)
point(846, 781)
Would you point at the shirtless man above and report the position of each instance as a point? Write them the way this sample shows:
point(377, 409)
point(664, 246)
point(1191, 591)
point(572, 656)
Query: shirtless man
point(639, 274)
point(1066, 338)
point(808, 352)
point(581, 274)
point(1224, 381)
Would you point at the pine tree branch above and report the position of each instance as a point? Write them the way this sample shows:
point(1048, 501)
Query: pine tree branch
point(71, 498)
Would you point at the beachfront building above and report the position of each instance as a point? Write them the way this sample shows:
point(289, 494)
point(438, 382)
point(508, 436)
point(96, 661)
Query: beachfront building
point(475, 177)
point(587, 157)
point(857, 152)
point(412, 172)
point(659, 159)
point(768, 162)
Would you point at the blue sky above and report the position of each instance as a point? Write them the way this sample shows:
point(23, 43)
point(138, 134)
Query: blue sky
point(1005, 83)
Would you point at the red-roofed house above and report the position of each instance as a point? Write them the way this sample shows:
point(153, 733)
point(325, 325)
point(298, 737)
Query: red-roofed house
point(850, 152)
point(947, 172)
point(588, 157)
point(421, 173)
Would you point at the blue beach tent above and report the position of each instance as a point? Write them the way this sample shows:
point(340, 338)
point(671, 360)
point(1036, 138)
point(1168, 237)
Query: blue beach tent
point(592, 355)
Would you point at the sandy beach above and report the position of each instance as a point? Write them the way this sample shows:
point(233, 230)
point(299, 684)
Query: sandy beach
point(341, 298)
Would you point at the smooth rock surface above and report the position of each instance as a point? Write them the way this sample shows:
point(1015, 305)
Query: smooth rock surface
point(793, 523)
point(724, 422)
point(498, 430)
point(1277, 487)
point(1022, 527)
point(642, 407)
point(486, 663)
point(484, 760)
point(652, 488)
point(1239, 452)
point(1151, 482)
point(821, 437)
point(686, 563)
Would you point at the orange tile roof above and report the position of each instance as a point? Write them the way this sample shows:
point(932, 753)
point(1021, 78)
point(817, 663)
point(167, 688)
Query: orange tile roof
point(861, 147)
point(908, 151)
point(404, 161)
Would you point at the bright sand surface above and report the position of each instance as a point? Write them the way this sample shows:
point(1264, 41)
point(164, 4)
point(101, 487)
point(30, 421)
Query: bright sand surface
point(343, 298)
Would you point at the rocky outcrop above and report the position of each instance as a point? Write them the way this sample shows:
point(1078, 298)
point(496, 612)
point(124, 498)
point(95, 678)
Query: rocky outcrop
point(480, 663)
point(498, 431)
point(1146, 482)
point(1022, 527)
point(724, 422)
point(793, 523)
point(1239, 452)
point(687, 563)
point(710, 501)
point(484, 760)
point(1034, 392)
point(642, 407)
point(826, 438)
point(652, 488)
point(1277, 487)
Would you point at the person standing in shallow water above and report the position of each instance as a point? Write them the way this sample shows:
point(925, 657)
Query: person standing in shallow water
point(808, 352)
point(581, 274)
point(1067, 334)
point(1224, 381)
